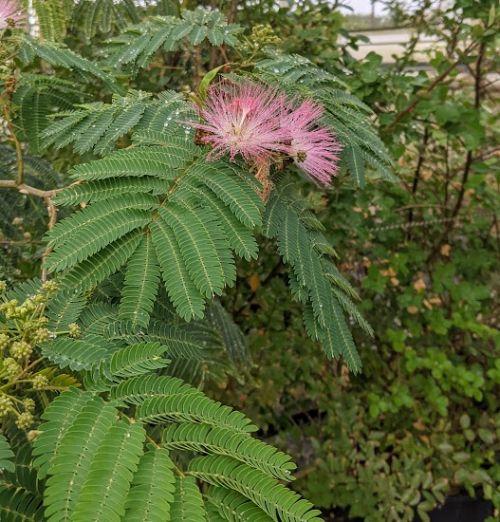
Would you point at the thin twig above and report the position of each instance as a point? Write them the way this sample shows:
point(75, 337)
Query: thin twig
point(469, 158)
point(431, 87)
point(52, 212)
point(416, 176)
point(477, 104)
point(27, 189)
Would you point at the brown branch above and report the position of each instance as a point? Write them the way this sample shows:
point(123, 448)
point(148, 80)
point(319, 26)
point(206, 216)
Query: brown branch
point(416, 177)
point(465, 178)
point(27, 189)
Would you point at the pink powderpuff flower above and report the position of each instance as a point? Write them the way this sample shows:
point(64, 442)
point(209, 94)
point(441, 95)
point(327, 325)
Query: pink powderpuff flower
point(10, 11)
point(314, 149)
point(243, 118)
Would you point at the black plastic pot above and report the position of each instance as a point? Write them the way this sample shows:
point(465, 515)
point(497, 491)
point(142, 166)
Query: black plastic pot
point(461, 508)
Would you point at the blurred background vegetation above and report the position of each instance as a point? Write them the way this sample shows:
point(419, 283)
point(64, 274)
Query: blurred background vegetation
point(420, 424)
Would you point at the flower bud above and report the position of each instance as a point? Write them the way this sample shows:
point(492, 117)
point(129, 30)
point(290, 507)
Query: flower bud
point(11, 366)
point(5, 405)
point(25, 421)
point(20, 350)
point(74, 330)
point(41, 335)
point(4, 340)
point(50, 287)
point(39, 382)
point(29, 405)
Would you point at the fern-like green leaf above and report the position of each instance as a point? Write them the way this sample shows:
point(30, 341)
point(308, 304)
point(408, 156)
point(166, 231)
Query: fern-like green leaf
point(223, 441)
point(356, 164)
point(76, 354)
point(20, 495)
point(97, 268)
point(143, 161)
point(70, 466)
point(98, 126)
point(99, 469)
point(272, 497)
point(183, 215)
point(180, 288)
point(142, 279)
point(232, 337)
point(188, 503)
point(137, 389)
point(351, 309)
point(96, 216)
point(139, 43)
point(6, 455)
point(105, 189)
point(53, 18)
point(96, 234)
point(102, 16)
point(192, 408)
point(179, 342)
point(222, 179)
point(239, 237)
point(60, 56)
point(104, 492)
point(197, 246)
point(59, 416)
point(65, 308)
point(152, 492)
point(135, 360)
point(313, 275)
point(234, 507)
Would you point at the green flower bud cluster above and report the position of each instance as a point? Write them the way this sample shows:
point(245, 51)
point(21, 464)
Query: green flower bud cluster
point(41, 335)
point(74, 330)
point(11, 367)
point(39, 382)
point(25, 420)
point(50, 288)
point(29, 405)
point(21, 350)
point(5, 405)
point(10, 309)
point(262, 35)
point(24, 326)
point(4, 340)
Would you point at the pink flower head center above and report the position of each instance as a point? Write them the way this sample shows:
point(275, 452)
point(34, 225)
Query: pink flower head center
point(242, 109)
point(242, 119)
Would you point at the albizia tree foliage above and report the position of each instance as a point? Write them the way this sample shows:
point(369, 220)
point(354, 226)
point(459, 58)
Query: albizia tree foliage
point(156, 185)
